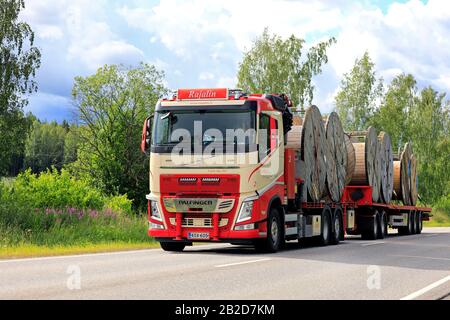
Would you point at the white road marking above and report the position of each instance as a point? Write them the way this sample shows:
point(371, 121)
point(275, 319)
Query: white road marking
point(420, 257)
point(82, 255)
point(372, 243)
point(426, 289)
point(431, 235)
point(243, 262)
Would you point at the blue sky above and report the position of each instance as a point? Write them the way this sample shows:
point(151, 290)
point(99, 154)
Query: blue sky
point(199, 43)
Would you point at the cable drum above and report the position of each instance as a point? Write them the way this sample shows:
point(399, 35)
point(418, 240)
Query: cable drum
point(336, 160)
point(367, 166)
point(313, 153)
point(387, 167)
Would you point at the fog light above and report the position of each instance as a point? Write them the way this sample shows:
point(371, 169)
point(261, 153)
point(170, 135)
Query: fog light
point(156, 226)
point(250, 226)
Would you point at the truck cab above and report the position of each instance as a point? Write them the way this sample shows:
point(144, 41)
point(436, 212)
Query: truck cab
point(217, 168)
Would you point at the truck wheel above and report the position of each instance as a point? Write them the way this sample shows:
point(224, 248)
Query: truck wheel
point(370, 232)
point(419, 223)
point(383, 227)
point(274, 233)
point(337, 223)
point(326, 234)
point(172, 246)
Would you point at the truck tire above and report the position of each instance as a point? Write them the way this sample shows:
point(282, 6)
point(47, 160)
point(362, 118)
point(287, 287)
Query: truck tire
point(383, 226)
point(370, 232)
point(413, 222)
point(273, 242)
point(326, 234)
point(419, 222)
point(408, 229)
point(172, 246)
point(337, 226)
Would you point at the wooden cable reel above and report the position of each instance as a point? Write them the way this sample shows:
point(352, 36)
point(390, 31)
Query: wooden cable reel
point(367, 167)
point(402, 175)
point(351, 159)
point(336, 157)
point(414, 181)
point(387, 167)
point(313, 150)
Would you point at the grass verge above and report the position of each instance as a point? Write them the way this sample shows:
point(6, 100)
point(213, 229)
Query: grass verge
point(439, 219)
point(32, 250)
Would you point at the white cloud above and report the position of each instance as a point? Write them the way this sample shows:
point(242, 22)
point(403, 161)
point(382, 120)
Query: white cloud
point(200, 42)
point(411, 37)
point(226, 82)
point(180, 25)
point(206, 76)
point(84, 34)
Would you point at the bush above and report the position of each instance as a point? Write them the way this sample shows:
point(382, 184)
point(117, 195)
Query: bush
point(54, 208)
point(443, 204)
point(55, 190)
point(119, 204)
point(51, 189)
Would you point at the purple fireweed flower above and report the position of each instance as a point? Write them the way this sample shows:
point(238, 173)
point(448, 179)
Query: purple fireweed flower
point(108, 212)
point(93, 213)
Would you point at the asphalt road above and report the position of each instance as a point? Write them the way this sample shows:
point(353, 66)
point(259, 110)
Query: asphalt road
point(411, 267)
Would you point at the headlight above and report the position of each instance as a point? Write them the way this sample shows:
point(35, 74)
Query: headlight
point(246, 211)
point(155, 211)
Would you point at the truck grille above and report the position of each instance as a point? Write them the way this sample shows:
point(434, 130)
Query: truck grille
point(200, 222)
point(226, 204)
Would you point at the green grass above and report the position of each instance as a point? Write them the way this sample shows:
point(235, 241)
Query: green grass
point(32, 250)
point(440, 218)
point(74, 237)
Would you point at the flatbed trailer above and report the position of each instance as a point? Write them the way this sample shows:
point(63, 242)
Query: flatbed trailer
point(359, 216)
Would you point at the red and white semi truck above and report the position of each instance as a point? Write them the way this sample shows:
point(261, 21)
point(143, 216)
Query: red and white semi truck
point(248, 193)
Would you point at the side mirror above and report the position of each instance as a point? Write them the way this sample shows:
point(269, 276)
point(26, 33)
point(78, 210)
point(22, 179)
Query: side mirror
point(146, 135)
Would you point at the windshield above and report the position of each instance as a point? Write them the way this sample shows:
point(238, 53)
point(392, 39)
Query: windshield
point(205, 127)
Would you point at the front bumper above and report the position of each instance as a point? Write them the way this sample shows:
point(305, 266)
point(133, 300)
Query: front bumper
point(223, 236)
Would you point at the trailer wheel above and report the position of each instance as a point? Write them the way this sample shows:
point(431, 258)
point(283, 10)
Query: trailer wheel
point(274, 233)
point(382, 226)
point(370, 232)
point(419, 223)
point(172, 246)
point(408, 229)
point(412, 216)
point(337, 226)
point(326, 234)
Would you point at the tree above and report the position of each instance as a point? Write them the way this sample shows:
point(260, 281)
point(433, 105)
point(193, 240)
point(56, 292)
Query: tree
point(360, 90)
point(274, 65)
point(394, 114)
point(71, 144)
point(44, 147)
point(19, 60)
point(112, 105)
point(429, 129)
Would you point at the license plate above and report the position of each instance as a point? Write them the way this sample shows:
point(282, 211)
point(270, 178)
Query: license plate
point(198, 235)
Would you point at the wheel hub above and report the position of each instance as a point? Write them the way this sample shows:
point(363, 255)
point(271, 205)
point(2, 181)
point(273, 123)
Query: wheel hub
point(274, 231)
